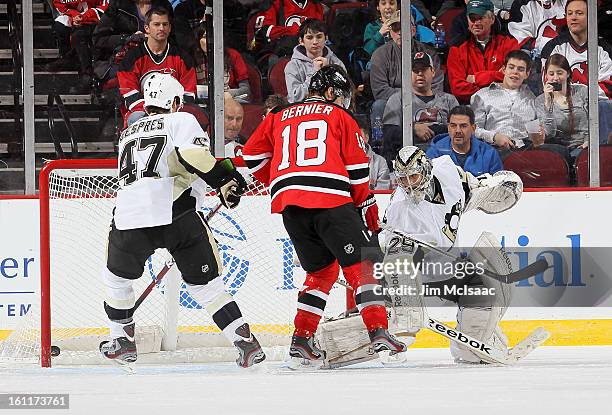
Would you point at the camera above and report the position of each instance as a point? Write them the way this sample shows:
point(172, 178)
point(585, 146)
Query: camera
point(556, 86)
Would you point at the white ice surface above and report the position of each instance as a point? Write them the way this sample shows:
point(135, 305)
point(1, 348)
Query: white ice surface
point(552, 380)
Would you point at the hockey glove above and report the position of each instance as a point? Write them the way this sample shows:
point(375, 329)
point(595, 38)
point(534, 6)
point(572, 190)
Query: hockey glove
point(368, 211)
point(230, 192)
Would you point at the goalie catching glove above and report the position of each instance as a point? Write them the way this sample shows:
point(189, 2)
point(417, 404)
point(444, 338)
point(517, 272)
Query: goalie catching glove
point(368, 210)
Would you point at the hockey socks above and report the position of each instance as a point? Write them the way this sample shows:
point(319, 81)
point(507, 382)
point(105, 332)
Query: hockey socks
point(222, 307)
point(368, 295)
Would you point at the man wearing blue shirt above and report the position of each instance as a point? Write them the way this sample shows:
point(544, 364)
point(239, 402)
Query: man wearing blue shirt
point(473, 155)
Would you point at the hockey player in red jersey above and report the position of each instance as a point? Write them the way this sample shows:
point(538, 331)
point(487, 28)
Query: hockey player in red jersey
point(311, 154)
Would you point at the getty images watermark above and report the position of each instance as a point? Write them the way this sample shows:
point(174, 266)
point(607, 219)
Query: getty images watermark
point(456, 273)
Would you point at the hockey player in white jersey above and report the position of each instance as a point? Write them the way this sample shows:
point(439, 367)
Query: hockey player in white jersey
point(428, 204)
point(160, 157)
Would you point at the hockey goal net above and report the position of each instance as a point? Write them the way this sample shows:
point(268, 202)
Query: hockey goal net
point(76, 202)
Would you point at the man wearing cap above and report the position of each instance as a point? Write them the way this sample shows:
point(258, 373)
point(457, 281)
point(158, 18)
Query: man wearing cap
point(386, 72)
point(429, 109)
point(476, 63)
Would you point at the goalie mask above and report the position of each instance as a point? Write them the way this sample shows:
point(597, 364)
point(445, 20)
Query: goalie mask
point(413, 171)
point(161, 90)
point(332, 76)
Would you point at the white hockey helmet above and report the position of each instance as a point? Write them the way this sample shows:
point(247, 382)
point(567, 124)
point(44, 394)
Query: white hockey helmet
point(413, 171)
point(161, 90)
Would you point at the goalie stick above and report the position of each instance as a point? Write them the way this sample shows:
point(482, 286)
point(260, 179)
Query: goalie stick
point(481, 348)
point(530, 270)
point(55, 350)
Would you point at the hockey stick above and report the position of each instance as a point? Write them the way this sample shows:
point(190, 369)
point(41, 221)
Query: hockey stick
point(162, 273)
point(55, 350)
point(530, 270)
point(481, 348)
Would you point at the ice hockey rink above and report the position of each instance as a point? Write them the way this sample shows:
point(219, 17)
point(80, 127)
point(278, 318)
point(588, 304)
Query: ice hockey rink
point(551, 380)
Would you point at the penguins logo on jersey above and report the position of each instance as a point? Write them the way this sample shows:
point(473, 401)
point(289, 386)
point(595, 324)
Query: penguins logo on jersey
point(451, 221)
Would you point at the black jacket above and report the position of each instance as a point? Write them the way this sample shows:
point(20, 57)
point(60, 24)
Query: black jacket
point(119, 21)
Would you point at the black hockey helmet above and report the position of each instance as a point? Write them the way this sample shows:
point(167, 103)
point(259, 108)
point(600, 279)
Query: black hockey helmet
point(333, 76)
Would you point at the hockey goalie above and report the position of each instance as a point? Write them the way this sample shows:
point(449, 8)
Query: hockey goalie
point(427, 206)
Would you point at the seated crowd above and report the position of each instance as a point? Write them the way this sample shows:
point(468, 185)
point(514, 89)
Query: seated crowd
point(489, 78)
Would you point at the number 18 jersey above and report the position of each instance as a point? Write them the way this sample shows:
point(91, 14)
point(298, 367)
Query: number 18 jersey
point(311, 154)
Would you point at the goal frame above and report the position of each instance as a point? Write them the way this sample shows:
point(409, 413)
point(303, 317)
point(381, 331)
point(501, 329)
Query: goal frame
point(45, 243)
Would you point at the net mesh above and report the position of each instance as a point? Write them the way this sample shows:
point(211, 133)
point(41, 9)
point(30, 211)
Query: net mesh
point(260, 271)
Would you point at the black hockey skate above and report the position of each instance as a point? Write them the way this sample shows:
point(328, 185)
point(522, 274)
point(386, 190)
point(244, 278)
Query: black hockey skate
point(121, 350)
point(249, 348)
point(383, 340)
point(305, 348)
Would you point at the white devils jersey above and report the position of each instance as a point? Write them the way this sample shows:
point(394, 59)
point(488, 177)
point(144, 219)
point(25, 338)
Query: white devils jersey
point(435, 221)
point(534, 25)
point(150, 175)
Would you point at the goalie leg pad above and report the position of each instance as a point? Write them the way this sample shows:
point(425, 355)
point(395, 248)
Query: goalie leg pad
point(312, 299)
point(368, 294)
point(345, 340)
point(222, 307)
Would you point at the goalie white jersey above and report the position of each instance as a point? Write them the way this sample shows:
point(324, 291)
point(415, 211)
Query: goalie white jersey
point(150, 175)
point(436, 219)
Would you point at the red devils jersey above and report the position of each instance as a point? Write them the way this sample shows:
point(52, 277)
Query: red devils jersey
point(577, 57)
point(285, 19)
point(311, 154)
point(140, 62)
point(90, 10)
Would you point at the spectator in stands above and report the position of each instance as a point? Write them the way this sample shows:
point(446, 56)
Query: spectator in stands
point(386, 72)
point(77, 18)
point(234, 116)
point(476, 62)
point(156, 54)
point(533, 23)
point(379, 171)
point(572, 43)
point(471, 154)
point(273, 101)
point(308, 57)
point(429, 109)
point(236, 73)
point(458, 32)
point(563, 107)
point(502, 109)
point(188, 18)
point(277, 26)
point(377, 33)
point(121, 28)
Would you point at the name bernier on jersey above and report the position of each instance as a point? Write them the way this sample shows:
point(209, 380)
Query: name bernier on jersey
point(306, 109)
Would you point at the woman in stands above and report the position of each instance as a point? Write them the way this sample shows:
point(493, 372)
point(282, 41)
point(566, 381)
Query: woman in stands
point(236, 73)
point(563, 107)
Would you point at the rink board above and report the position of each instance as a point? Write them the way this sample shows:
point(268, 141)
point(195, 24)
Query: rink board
point(552, 226)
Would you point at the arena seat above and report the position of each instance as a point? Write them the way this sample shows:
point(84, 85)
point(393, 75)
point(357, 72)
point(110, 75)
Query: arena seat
point(255, 82)
point(276, 77)
point(539, 168)
point(252, 118)
point(605, 167)
point(447, 19)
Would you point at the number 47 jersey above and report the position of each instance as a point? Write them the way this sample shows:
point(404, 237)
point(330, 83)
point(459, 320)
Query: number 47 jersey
point(310, 154)
point(151, 176)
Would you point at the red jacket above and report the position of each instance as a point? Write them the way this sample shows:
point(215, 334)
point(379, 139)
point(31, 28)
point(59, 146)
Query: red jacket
point(90, 10)
point(311, 154)
point(278, 21)
point(468, 59)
